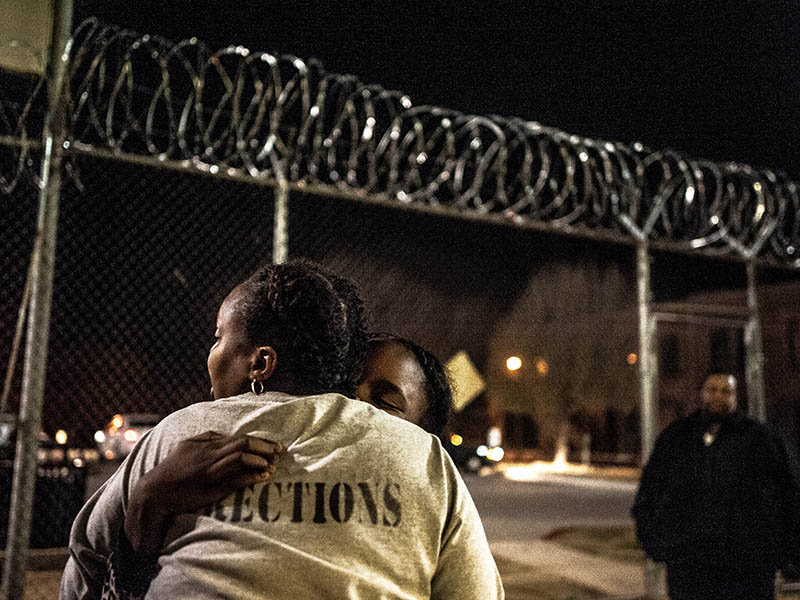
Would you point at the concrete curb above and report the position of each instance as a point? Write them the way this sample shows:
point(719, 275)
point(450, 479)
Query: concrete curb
point(44, 559)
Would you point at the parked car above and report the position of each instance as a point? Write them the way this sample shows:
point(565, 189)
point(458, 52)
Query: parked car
point(472, 458)
point(60, 485)
point(116, 440)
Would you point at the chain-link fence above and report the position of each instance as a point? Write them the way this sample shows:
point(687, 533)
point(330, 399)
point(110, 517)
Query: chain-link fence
point(460, 230)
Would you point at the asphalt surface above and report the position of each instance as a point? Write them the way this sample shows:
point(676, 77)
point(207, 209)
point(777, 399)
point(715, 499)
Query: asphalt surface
point(522, 506)
point(526, 511)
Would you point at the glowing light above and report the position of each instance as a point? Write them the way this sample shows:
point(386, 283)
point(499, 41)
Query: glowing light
point(116, 421)
point(131, 435)
point(542, 367)
point(61, 437)
point(535, 470)
point(757, 186)
point(456, 439)
point(560, 464)
point(689, 196)
point(496, 454)
point(109, 454)
point(482, 450)
point(513, 363)
point(99, 437)
point(632, 358)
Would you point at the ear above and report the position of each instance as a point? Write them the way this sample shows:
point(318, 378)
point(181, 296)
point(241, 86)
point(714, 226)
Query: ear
point(265, 359)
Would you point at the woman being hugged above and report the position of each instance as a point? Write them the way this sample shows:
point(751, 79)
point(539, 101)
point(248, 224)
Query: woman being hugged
point(359, 504)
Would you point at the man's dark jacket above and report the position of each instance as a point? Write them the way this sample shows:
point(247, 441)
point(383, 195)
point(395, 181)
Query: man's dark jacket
point(733, 503)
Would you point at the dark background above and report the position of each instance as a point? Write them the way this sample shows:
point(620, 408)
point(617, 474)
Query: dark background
point(145, 254)
point(716, 80)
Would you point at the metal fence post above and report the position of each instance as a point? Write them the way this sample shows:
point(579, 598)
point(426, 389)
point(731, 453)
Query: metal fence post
point(43, 258)
point(280, 230)
point(754, 352)
point(654, 575)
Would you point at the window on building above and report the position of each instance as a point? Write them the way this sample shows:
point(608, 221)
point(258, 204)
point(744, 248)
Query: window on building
point(669, 356)
point(722, 359)
point(792, 342)
point(740, 351)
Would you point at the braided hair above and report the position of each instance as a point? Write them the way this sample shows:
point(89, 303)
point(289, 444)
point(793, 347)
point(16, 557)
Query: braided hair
point(313, 319)
point(438, 393)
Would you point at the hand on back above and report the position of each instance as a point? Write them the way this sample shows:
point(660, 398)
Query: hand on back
point(207, 467)
point(200, 470)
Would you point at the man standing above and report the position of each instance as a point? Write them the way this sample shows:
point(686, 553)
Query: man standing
point(718, 502)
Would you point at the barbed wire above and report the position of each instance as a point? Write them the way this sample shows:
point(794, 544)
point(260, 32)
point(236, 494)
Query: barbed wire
point(274, 117)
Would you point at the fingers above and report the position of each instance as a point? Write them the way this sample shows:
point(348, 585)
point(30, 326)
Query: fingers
point(237, 463)
point(248, 444)
point(222, 457)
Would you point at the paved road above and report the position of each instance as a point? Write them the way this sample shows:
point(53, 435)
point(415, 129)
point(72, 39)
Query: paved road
point(518, 514)
point(519, 511)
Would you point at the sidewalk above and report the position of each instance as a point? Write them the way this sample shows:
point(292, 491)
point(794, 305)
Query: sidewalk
point(584, 575)
point(44, 572)
point(609, 577)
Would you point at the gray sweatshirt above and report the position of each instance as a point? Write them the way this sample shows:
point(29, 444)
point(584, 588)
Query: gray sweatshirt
point(362, 505)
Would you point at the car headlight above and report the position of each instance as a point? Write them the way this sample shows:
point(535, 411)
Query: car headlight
point(496, 454)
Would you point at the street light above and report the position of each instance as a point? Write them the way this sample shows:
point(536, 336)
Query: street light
point(542, 367)
point(513, 363)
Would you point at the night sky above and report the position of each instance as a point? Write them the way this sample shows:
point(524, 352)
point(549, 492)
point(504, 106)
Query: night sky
point(714, 80)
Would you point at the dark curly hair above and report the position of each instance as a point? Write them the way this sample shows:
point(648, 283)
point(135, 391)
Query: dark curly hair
point(356, 316)
point(438, 392)
point(314, 320)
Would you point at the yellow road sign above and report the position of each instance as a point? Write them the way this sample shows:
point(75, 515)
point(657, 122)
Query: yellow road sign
point(467, 382)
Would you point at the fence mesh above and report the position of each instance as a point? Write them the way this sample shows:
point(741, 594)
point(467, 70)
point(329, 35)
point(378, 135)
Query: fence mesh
point(151, 240)
point(144, 257)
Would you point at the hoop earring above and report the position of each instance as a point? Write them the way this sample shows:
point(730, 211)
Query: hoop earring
point(257, 391)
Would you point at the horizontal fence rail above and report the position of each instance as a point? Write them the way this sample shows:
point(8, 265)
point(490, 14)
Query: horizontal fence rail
point(278, 118)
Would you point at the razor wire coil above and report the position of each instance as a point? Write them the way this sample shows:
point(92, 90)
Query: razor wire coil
point(276, 117)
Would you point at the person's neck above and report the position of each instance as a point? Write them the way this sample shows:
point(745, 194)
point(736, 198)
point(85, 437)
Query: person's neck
point(712, 422)
point(283, 382)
